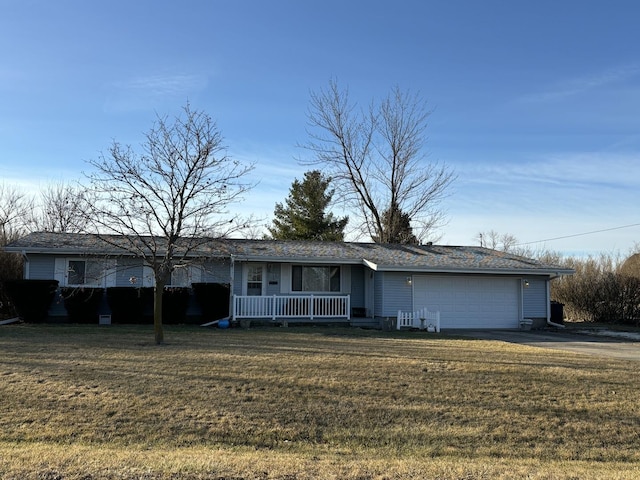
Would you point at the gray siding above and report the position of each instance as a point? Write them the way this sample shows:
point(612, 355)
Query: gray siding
point(237, 279)
point(534, 299)
point(357, 286)
point(398, 295)
point(378, 294)
point(41, 267)
point(217, 271)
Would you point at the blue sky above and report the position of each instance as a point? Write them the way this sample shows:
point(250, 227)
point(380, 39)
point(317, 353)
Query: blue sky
point(536, 105)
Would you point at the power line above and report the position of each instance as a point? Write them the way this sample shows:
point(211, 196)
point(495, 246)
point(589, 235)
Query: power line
point(580, 234)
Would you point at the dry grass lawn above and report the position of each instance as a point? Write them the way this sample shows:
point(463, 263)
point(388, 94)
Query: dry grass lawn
point(89, 402)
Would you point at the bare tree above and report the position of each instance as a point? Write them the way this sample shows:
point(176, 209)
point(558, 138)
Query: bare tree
point(62, 207)
point(497, 241)
point(15, 208)
point(376, 160)
point(166, 201)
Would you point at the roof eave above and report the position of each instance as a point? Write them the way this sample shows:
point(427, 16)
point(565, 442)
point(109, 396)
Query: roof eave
point(484, 271)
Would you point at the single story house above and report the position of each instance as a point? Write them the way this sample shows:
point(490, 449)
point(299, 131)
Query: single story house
point(356, 283)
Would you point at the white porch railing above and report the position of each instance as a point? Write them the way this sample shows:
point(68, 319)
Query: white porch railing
point(422, 319)
point(292, 306)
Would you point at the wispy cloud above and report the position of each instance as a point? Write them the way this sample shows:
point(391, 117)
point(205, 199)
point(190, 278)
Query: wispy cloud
point(582, 84)
point(160, 85)
point(146, 91)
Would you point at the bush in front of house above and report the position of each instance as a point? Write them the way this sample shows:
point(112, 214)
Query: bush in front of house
point(82, 304)
point(127, 304)
point(175, 301)
point(31, 298)
point(135, 305)
point(213, 299)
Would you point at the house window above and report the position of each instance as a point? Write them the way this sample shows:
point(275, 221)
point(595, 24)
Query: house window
point(180, 277)
point(315, 278)
point(84, 272)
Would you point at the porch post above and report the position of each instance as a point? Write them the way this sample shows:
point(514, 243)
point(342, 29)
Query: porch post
point(273, 308)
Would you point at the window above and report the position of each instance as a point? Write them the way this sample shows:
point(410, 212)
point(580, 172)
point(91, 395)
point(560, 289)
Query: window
point(180, 277)
point(84, 272)
point(315, 278)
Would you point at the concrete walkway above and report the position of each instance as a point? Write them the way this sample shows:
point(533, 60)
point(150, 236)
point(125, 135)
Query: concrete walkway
point(619, 348)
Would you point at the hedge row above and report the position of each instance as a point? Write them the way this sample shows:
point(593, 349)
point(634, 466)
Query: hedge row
point(33, 298)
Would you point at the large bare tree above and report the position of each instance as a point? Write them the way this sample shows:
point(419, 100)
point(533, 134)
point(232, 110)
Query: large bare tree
point(377, 161)
point(61, 208)
point(166, 200)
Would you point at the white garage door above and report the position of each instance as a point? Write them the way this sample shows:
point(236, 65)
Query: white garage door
point(470, 302)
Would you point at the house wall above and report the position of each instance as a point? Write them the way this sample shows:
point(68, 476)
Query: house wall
point(217, 271)
point(357, 286)
point(392, 293)
point(41, 267)
point(535, 301)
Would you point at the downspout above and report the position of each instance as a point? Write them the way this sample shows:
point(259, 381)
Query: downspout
point(231, 284)
point(549, 322)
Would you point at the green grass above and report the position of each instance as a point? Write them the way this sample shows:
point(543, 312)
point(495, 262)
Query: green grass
point(89, 402)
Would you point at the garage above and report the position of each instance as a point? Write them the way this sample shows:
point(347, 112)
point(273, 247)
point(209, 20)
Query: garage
point(470, 301)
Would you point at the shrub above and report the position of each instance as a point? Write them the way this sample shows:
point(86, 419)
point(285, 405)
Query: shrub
point(175, 301)
point(31, 298)
point(127, 304)
point(213, 299)
point(599, 292)
point(82, 304)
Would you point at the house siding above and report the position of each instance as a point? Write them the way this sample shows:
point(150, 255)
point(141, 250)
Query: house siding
point(534, 299)
point(378, 294)
point(41, 267)
point(398, 294)
point(217, 271)
point(357, 286)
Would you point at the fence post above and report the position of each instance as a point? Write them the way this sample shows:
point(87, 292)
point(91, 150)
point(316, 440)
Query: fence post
point(233, 308)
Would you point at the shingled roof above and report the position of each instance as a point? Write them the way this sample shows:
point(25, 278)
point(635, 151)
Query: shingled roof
point(381, 257)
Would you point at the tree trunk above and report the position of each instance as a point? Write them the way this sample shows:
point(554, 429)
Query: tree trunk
point(157, 314)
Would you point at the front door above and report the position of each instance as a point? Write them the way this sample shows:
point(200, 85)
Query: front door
point(255, 280)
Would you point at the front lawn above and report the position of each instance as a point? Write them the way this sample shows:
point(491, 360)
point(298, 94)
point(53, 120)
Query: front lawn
point(90, 402)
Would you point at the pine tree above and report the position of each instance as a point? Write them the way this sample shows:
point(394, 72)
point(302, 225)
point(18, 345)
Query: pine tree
point(396, 227)
point(304, 216)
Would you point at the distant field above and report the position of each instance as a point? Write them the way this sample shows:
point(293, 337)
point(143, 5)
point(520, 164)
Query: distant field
point(89, 402)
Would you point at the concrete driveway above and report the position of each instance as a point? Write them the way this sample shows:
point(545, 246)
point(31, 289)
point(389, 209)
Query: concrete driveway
point(619, 348)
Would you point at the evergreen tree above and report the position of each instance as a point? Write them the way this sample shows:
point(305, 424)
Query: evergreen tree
point(304, 216)
point(396, 227)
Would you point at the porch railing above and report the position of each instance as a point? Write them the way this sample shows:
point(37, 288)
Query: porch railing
point(292, 306)
point(422, 319)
